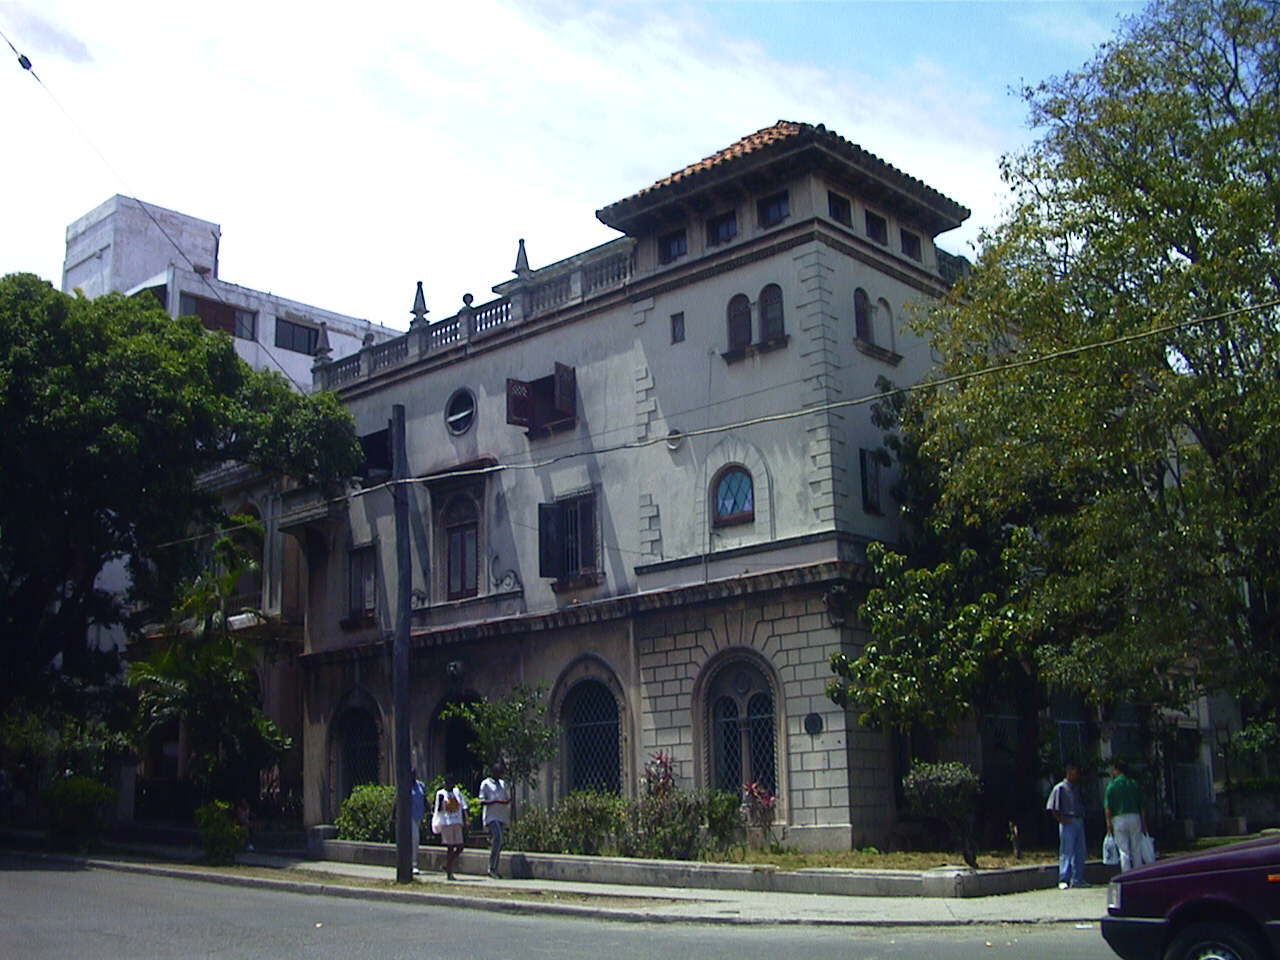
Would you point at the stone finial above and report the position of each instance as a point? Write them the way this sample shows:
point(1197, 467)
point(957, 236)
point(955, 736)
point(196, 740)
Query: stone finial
point(522, 261)
point(323, 351)
point(419, 310)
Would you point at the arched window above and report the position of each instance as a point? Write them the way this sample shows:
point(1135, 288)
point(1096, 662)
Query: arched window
point(884, 320)
point(862, 328)
point(771, 325)
point(743, 732)
point(357, 751)
point(461, 531)
point(739, 322)
point(593, 754)
point(733, 496)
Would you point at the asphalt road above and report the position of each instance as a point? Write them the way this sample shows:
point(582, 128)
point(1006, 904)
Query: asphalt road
point(50, 910)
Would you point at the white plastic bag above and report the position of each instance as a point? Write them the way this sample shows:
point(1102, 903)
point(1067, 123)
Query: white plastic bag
point(1148, 848)
point(1110, 850)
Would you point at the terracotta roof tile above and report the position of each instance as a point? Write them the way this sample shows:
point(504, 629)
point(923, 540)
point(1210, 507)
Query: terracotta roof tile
point(782, 130)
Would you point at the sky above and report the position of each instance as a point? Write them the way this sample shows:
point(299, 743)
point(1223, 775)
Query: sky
point(349, 152)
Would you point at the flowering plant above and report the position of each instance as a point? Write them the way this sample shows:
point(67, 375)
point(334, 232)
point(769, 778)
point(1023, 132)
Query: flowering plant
point(759, 803)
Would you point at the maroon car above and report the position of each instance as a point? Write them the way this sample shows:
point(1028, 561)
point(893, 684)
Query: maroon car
point(1222, 904)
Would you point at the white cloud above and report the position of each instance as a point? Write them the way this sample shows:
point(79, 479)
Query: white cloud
point(348, 154)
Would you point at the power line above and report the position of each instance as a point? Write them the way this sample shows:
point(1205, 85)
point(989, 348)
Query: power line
point(25, 63)
point(473, 472)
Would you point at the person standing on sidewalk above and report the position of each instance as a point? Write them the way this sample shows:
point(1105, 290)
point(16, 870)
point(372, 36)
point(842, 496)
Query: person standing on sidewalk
point(1064, 803)
point(1126, 817)
point(417, 810)
point(450, 815)
point(495, 797)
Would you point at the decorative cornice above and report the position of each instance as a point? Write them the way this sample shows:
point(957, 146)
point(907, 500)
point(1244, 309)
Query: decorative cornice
point(613, 608)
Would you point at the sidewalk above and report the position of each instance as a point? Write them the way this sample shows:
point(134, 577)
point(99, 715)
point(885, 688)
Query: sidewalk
point(603, 901)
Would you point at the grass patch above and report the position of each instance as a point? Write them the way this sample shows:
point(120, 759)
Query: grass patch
point(890, 860)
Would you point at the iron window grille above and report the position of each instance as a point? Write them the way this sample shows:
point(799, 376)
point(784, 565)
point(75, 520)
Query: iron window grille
point(567, 539)
point(592, 740)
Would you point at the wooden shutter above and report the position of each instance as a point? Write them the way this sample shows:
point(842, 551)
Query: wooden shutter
point(566, 391)
point(586, 507)
point(550, 541)
point(739, 322)
point(771, 312)
point(519, 403)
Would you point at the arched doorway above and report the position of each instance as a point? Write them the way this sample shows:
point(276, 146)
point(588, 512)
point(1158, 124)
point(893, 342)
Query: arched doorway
point(593, 754)
point(356, 752)
point(742, 728)
point(450, 748)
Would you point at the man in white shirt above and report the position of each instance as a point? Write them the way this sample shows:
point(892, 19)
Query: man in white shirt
point(495, 797)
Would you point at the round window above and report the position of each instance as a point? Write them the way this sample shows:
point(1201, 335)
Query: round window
point(460, 411)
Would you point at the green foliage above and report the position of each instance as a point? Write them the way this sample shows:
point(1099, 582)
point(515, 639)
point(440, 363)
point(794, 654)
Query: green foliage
point(512, 729)
point(947, 792)
point(724, 819)
point(664, 822)
point(113, 410)
point(204, 674)
point(1121, 503)
point(369, 814)
point(585, 823)
point(1256, 787)
point(220, 835)
point(77, 809)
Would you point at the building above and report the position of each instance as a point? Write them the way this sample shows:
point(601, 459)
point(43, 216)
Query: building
point(631, 484)
point(129, 247)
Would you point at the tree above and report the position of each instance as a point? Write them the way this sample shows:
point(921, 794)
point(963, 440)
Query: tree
point(1125, 493)
point(203, 674)
point(112, 412)
point(512, 729)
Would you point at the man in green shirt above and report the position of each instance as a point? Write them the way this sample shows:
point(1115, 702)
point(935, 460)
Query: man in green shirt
point(1126, 817)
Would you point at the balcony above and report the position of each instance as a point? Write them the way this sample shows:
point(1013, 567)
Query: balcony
point(534, 294)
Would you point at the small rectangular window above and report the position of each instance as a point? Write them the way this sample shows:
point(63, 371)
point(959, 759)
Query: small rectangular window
point(869, 461)
point(296, 336)
point(362, 582)
point(772, 210)
point(840, 209)
point(877, 228)
point(722, 229)
point(677, 328)
point(567, 537)
point(216, 315)
point(911, 244)
point(672, 246)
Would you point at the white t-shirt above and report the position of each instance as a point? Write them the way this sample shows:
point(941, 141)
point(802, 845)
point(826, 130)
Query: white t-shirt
point(491, 789)
point(442, 806)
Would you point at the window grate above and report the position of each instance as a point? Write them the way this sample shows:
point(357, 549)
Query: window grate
point(760, 736)
point(728, 745)
point(592, 740)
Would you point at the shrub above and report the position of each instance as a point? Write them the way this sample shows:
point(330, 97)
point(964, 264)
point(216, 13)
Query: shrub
point(667, 826)
point(947, 792)
point(588, 822)
point(77, 809)
point(369, 814)
point(535, 831)
point(724, 819)
point(220, 835)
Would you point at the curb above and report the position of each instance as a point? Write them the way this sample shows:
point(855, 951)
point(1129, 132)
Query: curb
point(517, 907)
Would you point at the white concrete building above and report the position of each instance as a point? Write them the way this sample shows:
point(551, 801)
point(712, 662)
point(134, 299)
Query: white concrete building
point(127, 246)
point(573, 524)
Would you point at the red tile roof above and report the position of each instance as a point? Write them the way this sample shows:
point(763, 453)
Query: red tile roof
point(782, 130)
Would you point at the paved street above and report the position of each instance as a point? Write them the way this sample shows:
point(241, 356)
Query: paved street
point(52, 910)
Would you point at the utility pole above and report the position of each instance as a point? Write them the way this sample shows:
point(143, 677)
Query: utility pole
point(400, 649)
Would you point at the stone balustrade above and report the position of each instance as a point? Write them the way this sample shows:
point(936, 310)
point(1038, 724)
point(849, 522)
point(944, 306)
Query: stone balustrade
point(588, 279)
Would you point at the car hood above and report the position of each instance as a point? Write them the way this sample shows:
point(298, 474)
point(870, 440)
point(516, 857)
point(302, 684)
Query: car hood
point(1249, 853)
